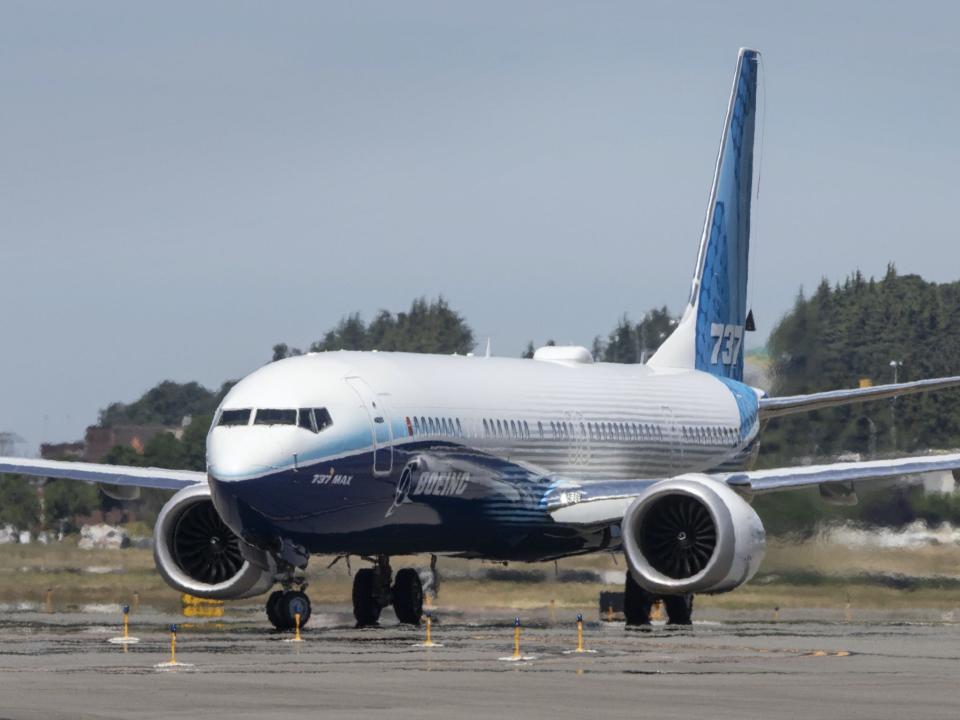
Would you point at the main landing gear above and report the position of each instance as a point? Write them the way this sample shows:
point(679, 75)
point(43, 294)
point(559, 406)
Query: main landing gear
point(283, 606)
point(372, 592)
point(637, 604)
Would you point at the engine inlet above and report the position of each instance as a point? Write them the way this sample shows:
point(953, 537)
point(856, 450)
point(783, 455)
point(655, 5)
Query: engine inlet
point(678, 536)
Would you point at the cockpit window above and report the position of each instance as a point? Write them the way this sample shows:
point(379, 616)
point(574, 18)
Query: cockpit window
point(323, 418)
point(314, 419)
point(235, 417)
point(305, 419)
point(275, 417)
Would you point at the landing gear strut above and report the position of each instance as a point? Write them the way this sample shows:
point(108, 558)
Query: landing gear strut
point(679, 609)
point(637, 604)
point(372, 592)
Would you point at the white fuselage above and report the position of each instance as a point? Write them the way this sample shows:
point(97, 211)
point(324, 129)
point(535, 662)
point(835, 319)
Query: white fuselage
point(580, 420)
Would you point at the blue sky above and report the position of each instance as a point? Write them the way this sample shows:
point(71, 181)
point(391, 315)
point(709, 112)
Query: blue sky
point(183, 185)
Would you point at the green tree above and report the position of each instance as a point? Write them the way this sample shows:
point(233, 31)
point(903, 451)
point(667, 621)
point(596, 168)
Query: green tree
point(164, 450)
point(427, 327)
point(19, 504)
point(66, 499)
point(630, 342)
point(195, 443)
point(165, 404)
point(852, 331)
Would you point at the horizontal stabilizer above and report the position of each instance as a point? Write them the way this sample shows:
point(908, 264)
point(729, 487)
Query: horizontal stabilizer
point(792, 404)
point(126, 475)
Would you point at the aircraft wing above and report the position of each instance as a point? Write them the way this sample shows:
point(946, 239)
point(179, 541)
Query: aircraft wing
point(767, 481)
point(791, 404)
point(606, 502)
point(146, 477)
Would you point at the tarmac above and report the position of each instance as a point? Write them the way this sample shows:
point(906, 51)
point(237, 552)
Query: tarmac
point(62, 665)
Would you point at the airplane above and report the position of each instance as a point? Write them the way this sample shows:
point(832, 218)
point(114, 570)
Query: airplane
point(380, 454)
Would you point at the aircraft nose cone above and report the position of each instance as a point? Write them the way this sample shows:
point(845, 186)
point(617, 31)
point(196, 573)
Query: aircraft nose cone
point(238, 454)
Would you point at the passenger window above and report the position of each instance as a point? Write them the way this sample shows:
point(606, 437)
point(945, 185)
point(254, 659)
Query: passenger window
point(230, 418)
point(499, 429)
point(486, 429)
point(416, 426)
point(275, 417)
point(459, 428)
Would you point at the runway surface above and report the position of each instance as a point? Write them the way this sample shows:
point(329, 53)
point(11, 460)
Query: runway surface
point(62, 666)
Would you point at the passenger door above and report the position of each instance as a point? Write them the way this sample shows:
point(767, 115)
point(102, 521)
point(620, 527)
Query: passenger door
point(380, 430)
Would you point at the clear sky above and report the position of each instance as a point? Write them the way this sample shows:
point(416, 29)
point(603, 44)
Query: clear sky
point(182, 185)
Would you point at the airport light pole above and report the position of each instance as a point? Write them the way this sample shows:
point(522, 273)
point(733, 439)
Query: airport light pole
point(896, 365)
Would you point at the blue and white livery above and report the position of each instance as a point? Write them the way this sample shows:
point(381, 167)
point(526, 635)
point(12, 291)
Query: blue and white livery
point(376, 454)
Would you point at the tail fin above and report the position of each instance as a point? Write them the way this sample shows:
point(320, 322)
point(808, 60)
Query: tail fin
point(710, 334)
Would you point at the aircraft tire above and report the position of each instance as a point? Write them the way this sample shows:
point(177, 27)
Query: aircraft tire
point(679, 609)
point(291, 603)
point(408, 596)
point(637, 603)
point(273, 610)
point(366, 610)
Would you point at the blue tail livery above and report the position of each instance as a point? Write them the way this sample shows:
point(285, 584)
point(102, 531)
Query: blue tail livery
point(710, 335)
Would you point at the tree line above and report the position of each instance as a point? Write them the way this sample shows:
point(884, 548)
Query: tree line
point(841, 335)
point(872, 331)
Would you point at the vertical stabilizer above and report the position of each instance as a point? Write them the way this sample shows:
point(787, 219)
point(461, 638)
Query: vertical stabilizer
point(710, 334)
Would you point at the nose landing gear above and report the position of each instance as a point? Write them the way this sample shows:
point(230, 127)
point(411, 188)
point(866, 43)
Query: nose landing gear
point(284, 605)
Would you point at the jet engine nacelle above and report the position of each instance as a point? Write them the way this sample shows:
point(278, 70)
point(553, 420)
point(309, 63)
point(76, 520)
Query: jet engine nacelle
point(692, 534)
point(197, 553)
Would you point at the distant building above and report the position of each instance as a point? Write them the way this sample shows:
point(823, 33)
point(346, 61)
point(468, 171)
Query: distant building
point(99, 440)
point(63, 451)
